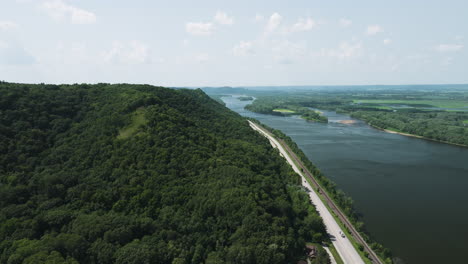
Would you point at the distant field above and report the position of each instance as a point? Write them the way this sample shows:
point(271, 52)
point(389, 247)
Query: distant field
point(282, 110)
point(435, 103)
point(380, 107)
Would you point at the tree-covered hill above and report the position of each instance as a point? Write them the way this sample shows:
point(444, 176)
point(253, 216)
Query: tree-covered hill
point(142, 174)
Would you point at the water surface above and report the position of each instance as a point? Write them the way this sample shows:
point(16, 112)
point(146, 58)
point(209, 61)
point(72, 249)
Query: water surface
point(412, 193)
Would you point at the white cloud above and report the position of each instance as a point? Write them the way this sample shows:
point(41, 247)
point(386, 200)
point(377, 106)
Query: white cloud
point(303, 25)
point(243, 48)
point(287, 52)
point(134, 52)
point(345, 50)
point(387, 41)
point(199, 29)
point(223, 19)
point(448, 47)
point(273, 23)
point(61, 11)
point(374, 29)
point(344, 22)
point(7, 25)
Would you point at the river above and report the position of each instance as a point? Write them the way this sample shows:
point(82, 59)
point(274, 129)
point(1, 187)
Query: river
point(412, 193)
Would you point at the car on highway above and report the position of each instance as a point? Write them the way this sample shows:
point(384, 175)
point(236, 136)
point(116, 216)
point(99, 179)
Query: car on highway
point(342, 234)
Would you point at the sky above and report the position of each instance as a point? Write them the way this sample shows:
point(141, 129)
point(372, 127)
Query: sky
point(234, 43)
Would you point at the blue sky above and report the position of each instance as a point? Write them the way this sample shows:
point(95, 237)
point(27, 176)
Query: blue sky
point(236, 43)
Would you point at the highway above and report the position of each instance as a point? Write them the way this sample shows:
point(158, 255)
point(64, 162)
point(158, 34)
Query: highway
point(342, 244)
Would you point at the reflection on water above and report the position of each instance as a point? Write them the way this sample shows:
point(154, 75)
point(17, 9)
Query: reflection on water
point(412, 193)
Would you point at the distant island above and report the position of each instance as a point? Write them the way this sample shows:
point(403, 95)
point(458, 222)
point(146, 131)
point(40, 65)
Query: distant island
point(245, 98)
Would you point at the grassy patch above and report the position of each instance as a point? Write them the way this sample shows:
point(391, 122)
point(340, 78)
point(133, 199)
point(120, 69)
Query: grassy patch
point(283, 110)
point(332, 249)
point(138, 119)
point(335, 254)
point(465, 122)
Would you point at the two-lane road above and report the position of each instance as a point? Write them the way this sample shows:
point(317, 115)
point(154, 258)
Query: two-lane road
point(342, 244)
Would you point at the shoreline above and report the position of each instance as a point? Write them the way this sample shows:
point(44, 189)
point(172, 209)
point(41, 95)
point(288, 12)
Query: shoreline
point(345, 248)
point(415, 136)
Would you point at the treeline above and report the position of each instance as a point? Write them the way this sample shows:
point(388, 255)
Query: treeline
point(267, 105)
point(245, 98)
point(344, 202)
point(438, 125)
point(191, 183)
point(218, 99)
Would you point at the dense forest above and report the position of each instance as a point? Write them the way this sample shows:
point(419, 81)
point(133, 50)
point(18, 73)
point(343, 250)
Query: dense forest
point(437, 125)
point(142, 174)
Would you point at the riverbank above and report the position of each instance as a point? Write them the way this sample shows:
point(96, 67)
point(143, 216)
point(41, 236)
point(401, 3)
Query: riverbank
point(343, 245)
point(369, 165)
point(415, 136)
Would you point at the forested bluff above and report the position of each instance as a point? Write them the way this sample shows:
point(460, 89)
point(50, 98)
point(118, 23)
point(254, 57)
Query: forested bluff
point(143, 174)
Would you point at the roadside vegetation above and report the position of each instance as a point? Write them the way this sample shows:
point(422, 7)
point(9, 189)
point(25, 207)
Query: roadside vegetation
point(344, 202)
point(142, 174)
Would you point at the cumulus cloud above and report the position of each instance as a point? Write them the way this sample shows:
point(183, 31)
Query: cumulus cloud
point(448, 47)
point(273, 23)
point(7, 25)
point(199, 28)
point(303, 25)
point(374, 29)
point(243, 48)
point(223, 19)
point(134, 52)
point(344, 22)
point(60, 10)
point(387, 41)
point(207, 28)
